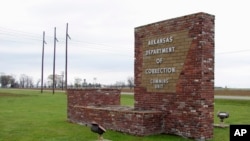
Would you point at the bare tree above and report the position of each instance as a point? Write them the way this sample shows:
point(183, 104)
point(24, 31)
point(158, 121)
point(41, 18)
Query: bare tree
point(38, 82)
point(13, 83)
point(78, 82)
point(120, 84)
point(26, 81)
point(58, 80)
point(30, 82)
point(131, 82)
point(22, 80)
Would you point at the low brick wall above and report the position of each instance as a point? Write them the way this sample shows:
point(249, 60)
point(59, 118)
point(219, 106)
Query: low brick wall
point(102, 106)
point(88, 97)
point(120, 119)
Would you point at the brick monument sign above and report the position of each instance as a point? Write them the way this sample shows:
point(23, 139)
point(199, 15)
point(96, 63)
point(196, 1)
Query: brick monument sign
point(174, 73)
point(174, 83)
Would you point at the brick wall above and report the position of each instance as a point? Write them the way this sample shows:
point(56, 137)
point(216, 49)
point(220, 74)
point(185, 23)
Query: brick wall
point(88, 97)
point(188, 100)
point(103, 107)
point(139, 123)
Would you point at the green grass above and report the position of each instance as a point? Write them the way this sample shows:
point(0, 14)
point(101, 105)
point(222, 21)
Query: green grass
point(127, 100)
point(238, 114)
point(28, 115)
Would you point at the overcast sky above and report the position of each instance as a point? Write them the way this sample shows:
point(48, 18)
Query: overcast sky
point(102, 33)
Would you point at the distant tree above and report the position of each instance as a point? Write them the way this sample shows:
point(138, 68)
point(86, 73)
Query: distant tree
point(58, 80)
point(6, 80)
point(78, 82)
point(120, 84)
point(131, 82)
point(84, 83)
point(22, 80)
point(90, 85)
point(38, 82)
point(26, 81)
point(13, 83)
point(45, 85)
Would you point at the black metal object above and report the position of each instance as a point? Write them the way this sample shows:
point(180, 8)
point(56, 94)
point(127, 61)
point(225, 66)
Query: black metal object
point(97, 129)
point(222, 115)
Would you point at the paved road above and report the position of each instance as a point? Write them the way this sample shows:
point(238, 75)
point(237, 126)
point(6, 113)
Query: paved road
point(232, 97)
point(216, 96)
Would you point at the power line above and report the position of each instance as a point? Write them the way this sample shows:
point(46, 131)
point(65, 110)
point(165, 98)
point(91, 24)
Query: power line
point(18, 36)
point(10, 34)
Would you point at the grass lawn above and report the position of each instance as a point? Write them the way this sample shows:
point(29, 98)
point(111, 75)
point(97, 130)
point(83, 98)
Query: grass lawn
point(28, 115)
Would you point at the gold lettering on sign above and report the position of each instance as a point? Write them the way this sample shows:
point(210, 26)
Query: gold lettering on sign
point(163, 59)
point(160, 41)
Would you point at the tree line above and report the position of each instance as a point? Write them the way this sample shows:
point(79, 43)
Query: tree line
point(25, 81)
point(10, 81)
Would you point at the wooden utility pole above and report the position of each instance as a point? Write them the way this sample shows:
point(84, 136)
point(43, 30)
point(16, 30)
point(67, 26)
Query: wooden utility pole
point(55, 40)
point(66, 58)
point(42, 61)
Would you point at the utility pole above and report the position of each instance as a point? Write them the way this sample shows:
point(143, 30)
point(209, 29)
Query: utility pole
point(42, 61)
point(55, 40)
point(66, 58)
